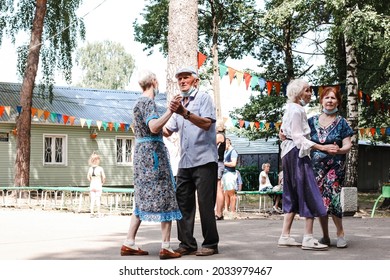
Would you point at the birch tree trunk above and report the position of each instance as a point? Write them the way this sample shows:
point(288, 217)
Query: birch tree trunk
point(182, 40)
point(351, 176)
point(22, 163)
point(216, 86)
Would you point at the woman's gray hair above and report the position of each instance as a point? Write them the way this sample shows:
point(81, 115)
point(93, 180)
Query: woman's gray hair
point(295, 88)
point(146, 79)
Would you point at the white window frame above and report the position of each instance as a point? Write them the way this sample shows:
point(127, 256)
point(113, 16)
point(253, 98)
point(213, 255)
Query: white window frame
point(64, 149)
point(124, 138)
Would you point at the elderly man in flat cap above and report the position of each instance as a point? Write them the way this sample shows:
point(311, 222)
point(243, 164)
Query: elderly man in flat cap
point(194, 120)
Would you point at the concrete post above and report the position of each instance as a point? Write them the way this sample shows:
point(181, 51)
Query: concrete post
point(349, 200)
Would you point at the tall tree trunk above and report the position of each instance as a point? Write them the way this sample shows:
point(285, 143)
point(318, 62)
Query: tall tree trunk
point(182, 40)
point(216, 87)
point(351, 176)
point(288, 51)
point(22, 163)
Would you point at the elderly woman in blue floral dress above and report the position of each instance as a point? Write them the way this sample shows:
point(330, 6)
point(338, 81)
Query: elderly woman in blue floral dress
point(154, 184)
point(328, 128)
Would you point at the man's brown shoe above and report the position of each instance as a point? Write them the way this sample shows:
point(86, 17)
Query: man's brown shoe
point(183, 251)
point(166, 254)
point(206, 251)
point(126, 251)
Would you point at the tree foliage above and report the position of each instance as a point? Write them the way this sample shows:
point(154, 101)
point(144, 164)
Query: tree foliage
point(234, 18)
point(62, 29)
point(105, 65)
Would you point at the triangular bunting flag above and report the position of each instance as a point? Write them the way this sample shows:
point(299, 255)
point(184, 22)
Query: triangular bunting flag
point(127, 126)
point(19, 109)
point(1, 110)
point(247, 78)
point(252, 125)
point(267, 125)
point(122, 125)
point(99, 124)
point(234, 122)
point(40, 113)
point(222, 70)
point(242, 123)
point(46, 114)
point(262, 83)
point(110, 125)
point(82, 122)
point(116, 126)
point(59, 118)
point(33, 111)
point(247, 124)
point(65, 118)
point(254, 82)
point(201, 59)
point(277, 87)
point(53, 117)
point(104, 124)
point(257, 125)
point(71, 120)
point(269, 87)
point(239, 76)
point(8, 110)
point(232, 73)
point(89, 122)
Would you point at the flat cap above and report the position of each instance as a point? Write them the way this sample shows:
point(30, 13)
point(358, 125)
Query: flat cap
point(189, 69)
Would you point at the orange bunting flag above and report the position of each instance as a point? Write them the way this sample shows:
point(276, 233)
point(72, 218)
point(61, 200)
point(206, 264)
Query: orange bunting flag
point(110, 125)
point(201, 59)
point(40, 113)
point(122, 125)
point(360, 95)
point(277, 125)
point(65, 118)
point(242, 123)
point(362, 132)
point(267, 125)
point(247, 78)
point(278, 85)
point(232, 73)
point(33, 111)
point(269, 87)
point(1, 110)
point(257, 124)
point(46, 114)
point(383, 131)
point(373, 131)
point(71, 120)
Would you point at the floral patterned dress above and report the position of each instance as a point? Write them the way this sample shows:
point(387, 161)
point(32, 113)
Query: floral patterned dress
point(329, 169)
point(154, 185)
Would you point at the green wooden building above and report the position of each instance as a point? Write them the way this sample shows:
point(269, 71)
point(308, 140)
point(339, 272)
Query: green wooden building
point(65, 132)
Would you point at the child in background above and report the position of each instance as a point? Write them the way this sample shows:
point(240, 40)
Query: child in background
point(96, 177)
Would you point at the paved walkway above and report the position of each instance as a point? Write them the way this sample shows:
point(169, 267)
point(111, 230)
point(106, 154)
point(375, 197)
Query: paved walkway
point(55, 235)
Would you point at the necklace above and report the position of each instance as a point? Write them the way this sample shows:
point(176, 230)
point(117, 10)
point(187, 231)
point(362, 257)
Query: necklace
point(326, 120)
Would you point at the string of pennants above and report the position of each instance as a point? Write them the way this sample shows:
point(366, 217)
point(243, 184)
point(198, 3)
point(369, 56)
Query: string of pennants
point(253, 81)
point(65, 119)
point(256, 125)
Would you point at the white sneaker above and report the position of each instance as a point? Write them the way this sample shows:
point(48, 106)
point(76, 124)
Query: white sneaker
point(313, 244)
point(277, 210)
point(287, 242)
point(341, 242)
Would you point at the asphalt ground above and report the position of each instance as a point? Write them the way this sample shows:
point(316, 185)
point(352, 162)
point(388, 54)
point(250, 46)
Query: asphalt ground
point(34, 234)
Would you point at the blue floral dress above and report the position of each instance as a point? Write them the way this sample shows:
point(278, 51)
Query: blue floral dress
point(154, 184)
point(329, 169)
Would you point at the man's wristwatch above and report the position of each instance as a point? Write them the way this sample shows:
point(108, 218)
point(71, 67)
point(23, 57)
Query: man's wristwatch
point(187, 115)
